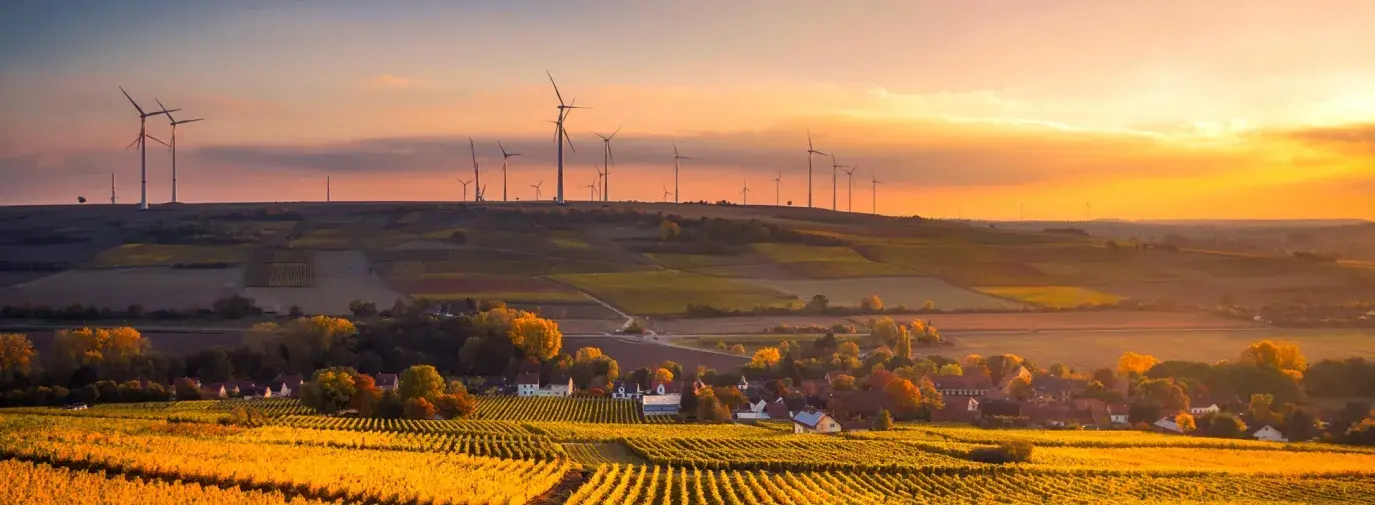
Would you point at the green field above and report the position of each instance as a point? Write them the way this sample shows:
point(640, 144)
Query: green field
point(660, 292)
point(787, 253)
point(1053, 296)
point(144, 255)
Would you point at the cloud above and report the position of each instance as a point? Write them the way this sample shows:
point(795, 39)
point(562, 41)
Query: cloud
point(1351, 138)
point(392, 81)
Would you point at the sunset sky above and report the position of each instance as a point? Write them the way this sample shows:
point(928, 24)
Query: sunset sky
point(1167, 109)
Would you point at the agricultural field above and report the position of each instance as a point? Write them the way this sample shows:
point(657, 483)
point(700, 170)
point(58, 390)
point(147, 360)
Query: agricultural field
point(508, 288)
point(340, 277)
point(1084, 320)
point(148, 255)
point(660, 292)
point(586, 410)
point(826, 262)
point(894, 291)
point(631, 354)
point(117, 288)
point(741, 325)
point(1057, 297)
point(42, 483)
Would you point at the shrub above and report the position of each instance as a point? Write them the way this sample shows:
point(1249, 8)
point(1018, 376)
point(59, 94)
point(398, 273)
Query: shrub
point(1013, 451)
point(636, 327)
point(419, 408)
point(884, 421)
point(247, 417)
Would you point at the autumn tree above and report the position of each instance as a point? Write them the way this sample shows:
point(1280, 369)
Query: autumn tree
point(669, 230)
point(842, 382)
point(1280, 356)
point(1001, 365)
point(1159, 397)
point(764, 358)
point(455, 405)
point(419, 408)
point(329, 389)
point(1020, 388)
point(737, 349)
point(1225, 425)
point(886, 332)
point(367, 397)
point(1261, 409)
point(903, 347)
point(884, 421)
point(421, 381)
point(850, 349)
point(663, 375)
point(537, 336)
point(308, 340)
point(1362, 433)
point(16, 355)
point(1134, 365)
point(590, 363)
point(871, 304)
point(1185, 422)
point(1059, 370)
point(97, 347)
point(950, 370)
point(709, 408)
point(905, 397)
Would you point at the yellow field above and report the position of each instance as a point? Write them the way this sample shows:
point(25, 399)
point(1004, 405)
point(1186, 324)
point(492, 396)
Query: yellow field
point(1053, 296)
point(145, 255)
point(1201, 459)
point(41, 484)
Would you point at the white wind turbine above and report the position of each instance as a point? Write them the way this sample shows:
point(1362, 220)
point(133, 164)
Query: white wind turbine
point(810, 152)
point(667, 193)
point(608, 159)
point(850, 188)
point(465, 188)
point(561, 134)
point(874, 192)
point(537, 189)
point(173, 146)
point(676, 157)
point(745, 193)
point(504, 156)
point(477, 174)
point(143, 146)
point(592, 189)
point(835, 180)
point(112, 188)
point(778, 189)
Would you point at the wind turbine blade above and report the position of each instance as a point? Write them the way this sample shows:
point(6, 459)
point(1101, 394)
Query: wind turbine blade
point(611, 155)
point(134, 143)
point(568, 139)
point(131, 100)
point(503, 149)
point(613, 134)
point(156, 139)
point(556, 86)
point(186, 120)
point(165, 111)
point(675, 148)
point(809, 140)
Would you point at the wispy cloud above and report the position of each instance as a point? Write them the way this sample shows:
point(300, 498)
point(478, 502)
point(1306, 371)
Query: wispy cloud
point(392, 81)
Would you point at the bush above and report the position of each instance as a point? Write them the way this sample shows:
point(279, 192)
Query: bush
point(247, 417)
point(1015, 451)
point(419, 408)
point(884, 421)
point(636, 327)
point(1362, 433)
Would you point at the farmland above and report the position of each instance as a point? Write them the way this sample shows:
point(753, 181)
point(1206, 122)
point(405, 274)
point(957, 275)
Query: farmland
point(146, 255)
point(152, 287)
point(912, 292)
point(669, 291)
point(509, 288)
point(1052, 296)
point(340, 278)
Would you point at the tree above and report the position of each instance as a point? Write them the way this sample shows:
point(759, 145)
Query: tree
point(764, 358)
point(818, 303)
point(421, 381)
point(669, 230)
point(842, 382)
point(16, 355)
point(1020, 388)
point(884, 421)
point(928, 306)
point(1132, 364)
point(1000, 365)
point(1059, 370)
point(886, 332)
point(536, 336)
point(850, 349)
point(392, 406)
point(950, 370)
point(662, 375)
point(184, 389)
point(367, 397)
point(905, 397)
point(1280, 356)
point(1225, 425)
point(1106, 377)
point(455, 405)
point(1300, 426)
point(730, 397)
point(87, 394)
point(1185, 422)
point(903, 349)
point(309, 339)
point(419, 408)
point(1362, 433)
point(590, 362)
point(210, 365)
point(329, 389)
point(1261, 409)
point(97, 347)
point(1163, 395)
point(709, 408)
point(737, 349)
point(871, 304)
point(1015, 451)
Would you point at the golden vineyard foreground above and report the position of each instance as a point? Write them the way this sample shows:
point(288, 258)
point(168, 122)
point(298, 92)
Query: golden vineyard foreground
point(106, 455)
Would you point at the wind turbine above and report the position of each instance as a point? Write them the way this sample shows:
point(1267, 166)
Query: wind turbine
point(465, 189)
point(112, 188)
point(874, 193)
point(777, 189)
point(504, 156)
point(810, 152)
point(537, 190)
point(173, 146)
point(666, 193)
point(561, 134)
point(601, 179)
point(850, 189)
point(142, 146)
point(592, 189)
point(676, 157)
point(477, 174)
point(608, 159)
point(745, 193)
point(835, 180)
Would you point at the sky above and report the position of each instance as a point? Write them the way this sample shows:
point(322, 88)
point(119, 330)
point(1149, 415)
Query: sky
point(1062, 109)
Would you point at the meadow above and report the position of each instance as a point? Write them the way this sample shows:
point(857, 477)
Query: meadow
point(658, 292)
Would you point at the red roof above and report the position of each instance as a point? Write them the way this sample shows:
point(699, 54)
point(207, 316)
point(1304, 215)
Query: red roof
point(528, 379)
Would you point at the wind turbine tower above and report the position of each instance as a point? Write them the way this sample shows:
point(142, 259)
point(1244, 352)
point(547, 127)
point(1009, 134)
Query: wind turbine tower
point(608, 159)
point(465, 189)
point(143, 146)
point(778, 189)
point(560, 134)
point(745, 193)
point(537, 189)
point(850, 188)
point(676, 157)
point(173, 146)
point(504, 156)
point(874, 193)
point(327, 189)
point(810, 152)
point(666, 193)
point(112, 188)
point(835, 186)
point(477, 175)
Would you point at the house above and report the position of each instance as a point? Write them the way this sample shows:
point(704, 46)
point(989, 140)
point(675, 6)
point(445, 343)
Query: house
point(248, 389)
point(287, 385)
point(387, 381)
point(1202, 405)
point(777, 410)
point(527, 384)
point(559, 386)
point(659, 387)
point(1269, 434)
point(743, 385)
point(1057, 388)
point(663, 404)
point(626, 390)
point(1117, 413)
point(1050, 415)
point(855, 424)
point(215, 390)
point(815, 421)
point(754, 408)
point(973, 384)
point(1167, 424)
point(957, 409)
point(990, 407)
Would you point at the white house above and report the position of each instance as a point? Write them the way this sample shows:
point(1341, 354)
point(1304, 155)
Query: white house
point(815, 421)
point(1169, 425)
point(743, 385)
point(387, 381)
point(624, 390)
point(1269, 434)
point(660, 387)
point(753, 410)
point(663, 404)
point(562, 386)
point(527, 384)
point(1117, 413)
point(1199, 410)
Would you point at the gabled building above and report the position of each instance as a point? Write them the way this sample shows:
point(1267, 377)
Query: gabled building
point(754, 408)
point(1168, 425)
point(957, 409)
point(287, 385)
point(527, 384)
point(973, 384)
point(1269, 434)
point(659, 387)
point(1202, 405)
point(626, 390)
point(1117, 414)
point(1057, 388)
point(815, 421)
point(659, 405)
point(559, 386)
point(387, 381)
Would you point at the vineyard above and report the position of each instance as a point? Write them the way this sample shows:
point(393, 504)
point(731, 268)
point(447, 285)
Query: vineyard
point(281, 268)
point(41, 484)
point(585, 410)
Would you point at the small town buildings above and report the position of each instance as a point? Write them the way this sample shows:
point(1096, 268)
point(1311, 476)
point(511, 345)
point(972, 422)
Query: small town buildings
point(559, 386)
point(972, 384)
point(659, 387)
point(815, 421)
point(1168, 425)
point(216, 390)
point(659, 405)
point(753, 409)
point(626, 390)
point(288, 386)
point(957, 409)
point(1057, 388)
point(1117, 413)
point(527, 384)
point(777, 410)
point(1269, 434)
point(1202, 405)
point(387, 381)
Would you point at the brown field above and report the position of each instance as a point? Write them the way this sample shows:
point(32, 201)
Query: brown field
point(1086, 349)
point(752, 271)
point(509, 288)
point(117, 288)
point(632, 355)
point(894, 291)
point(565, 311)
point(729, 325)
point(340, 277)
point(1080, 320)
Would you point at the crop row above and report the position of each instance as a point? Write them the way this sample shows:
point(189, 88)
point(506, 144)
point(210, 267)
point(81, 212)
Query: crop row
point(586, 410)
point(495, 446)
point(279, 275)
point(501, 428)
point(790, 452)
point(40, 484)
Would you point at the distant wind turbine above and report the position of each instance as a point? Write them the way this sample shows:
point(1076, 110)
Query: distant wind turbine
point(745, 193)
point(537, 189)
point(608, 159)
point(465, 189)
point(850, 189)
point(504, 156)
point(874, 193)
point(592, 189)
point(835, 165)
point(477, 173)
point(810, 152)
point(666, 194)
point(601, 179)
point(142, 145)
point(561, 134)
point(173, 146)
point(676, 157)
point(112, 189)
point(778, 189)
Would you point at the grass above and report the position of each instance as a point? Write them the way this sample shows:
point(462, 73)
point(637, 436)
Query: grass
point(788, 253)
point(329, 238)
point(662, 292)
point(143, 255)
point(844, 269)
point(509, 288)
point(1053, 296)
point(698, 261)
point(894, 291)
